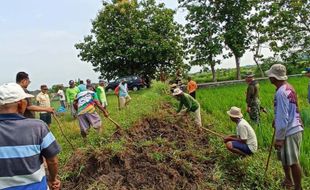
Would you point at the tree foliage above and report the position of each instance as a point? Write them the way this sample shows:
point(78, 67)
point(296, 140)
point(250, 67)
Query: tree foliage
point(289, 26)
point(203, 40)
point(133, 38)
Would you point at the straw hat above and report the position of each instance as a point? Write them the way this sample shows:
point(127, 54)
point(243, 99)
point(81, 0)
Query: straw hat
point(235, 112)
point(277, 71)
point(177, 91)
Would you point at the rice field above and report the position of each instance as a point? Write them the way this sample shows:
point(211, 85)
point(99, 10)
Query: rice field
point(216, 101)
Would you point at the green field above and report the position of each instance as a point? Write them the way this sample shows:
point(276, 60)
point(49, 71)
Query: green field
point(229, 171)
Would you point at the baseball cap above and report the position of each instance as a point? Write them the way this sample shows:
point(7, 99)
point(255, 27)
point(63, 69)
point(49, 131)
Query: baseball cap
point(277, 71)
point(12, 92)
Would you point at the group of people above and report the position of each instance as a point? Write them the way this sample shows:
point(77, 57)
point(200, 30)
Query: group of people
point(27, 147)
point(287, 121)
point(26, 143)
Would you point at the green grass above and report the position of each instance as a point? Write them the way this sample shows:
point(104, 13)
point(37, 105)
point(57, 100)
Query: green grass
point(216, 101)
point(229, 169)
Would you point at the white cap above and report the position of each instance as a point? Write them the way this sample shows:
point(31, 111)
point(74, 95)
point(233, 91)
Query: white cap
point(12, 92)
point(176, 92)
point(277, 71)
point(235, 112)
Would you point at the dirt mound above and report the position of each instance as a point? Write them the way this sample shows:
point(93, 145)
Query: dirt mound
point(157, 154)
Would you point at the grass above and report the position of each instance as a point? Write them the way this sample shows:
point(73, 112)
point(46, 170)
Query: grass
point(216, 101)
point(229, 169)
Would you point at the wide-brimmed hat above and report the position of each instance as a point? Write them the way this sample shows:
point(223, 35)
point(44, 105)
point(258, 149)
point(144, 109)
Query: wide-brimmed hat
point(235, 112)
point(177, 91)
point(12, 92)
point(277, 71)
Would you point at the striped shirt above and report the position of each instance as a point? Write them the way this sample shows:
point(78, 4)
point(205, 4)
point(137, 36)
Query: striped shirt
point(86, 102)
point(23, 144)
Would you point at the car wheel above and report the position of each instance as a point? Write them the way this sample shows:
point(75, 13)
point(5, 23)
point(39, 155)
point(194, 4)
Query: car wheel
point(135, 88)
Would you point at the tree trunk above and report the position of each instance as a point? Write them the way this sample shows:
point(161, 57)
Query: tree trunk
point(238, 76)
point(259, 67)
point(213, 73)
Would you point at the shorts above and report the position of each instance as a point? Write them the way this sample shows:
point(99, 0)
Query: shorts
point(89, 119)
point(46, 117)
point(289, 153)
point(124, 100)
point(242, 147)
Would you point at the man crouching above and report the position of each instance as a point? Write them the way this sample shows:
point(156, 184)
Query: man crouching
point(245, 142)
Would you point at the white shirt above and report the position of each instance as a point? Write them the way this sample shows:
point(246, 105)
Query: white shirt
point(246, 132)
point(44, 100)
point(62, 95)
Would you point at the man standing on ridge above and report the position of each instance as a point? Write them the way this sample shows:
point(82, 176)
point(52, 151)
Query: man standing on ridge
point(101, 94)
point(191, 87)
point(71, 93)
point(23, 80)
point(288, 126)
point(43, 100)
point(252, 98)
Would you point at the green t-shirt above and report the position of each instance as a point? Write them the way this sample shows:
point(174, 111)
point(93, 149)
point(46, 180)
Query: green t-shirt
point(189, 102)
point(71, 94)
point(101, 94)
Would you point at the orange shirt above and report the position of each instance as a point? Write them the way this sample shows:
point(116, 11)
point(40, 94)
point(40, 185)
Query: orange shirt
point(191, 86)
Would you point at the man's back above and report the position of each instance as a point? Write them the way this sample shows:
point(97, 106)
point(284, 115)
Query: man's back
point(23, 144)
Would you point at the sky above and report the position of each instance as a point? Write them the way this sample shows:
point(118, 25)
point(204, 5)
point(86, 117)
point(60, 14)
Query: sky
point(38, 37)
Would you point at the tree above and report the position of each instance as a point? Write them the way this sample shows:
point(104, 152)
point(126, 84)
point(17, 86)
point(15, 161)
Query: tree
point(133, 38)
point(258, 31)
point(203, 34)
point(233, 16)
point(289, 26)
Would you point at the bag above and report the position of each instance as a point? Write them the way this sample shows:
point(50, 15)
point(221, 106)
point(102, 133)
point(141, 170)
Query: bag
point(116, 90)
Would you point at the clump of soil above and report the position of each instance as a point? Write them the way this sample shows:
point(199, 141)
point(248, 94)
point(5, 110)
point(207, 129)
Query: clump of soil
point(160, 152)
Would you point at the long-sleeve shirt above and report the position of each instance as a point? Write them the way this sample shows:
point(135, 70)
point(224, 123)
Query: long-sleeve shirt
point(252, 93)
point(71, 94)
point(189, 102)
point(287, 117)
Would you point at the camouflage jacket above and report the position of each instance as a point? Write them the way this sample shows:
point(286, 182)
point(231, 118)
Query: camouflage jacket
point(252, 93)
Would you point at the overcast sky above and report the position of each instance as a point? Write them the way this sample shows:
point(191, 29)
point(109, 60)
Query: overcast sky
point(38, 37)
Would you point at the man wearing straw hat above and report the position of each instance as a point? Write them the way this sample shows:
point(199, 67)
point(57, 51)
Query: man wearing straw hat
point(23, 145)
point(288, 125)
point(245, 142)
point(191, 105)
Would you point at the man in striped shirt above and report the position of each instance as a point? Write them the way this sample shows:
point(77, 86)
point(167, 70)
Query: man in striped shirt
point(85, 104)
point(23, 145)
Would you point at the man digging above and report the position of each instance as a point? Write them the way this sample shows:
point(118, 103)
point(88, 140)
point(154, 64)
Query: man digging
point(86, 104)
point(190, 104)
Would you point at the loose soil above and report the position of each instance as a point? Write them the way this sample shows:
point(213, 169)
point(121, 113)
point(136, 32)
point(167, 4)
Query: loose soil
point(159, 152)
